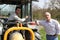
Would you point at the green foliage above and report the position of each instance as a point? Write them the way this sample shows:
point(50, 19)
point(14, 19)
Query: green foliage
point(37, 14)
point(43, 34)
point(55, 13)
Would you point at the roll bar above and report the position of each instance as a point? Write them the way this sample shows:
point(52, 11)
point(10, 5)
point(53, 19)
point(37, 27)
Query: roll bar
point(19, 28)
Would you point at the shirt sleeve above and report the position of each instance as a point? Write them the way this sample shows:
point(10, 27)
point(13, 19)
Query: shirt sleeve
point(37, 22)
point(40, 22)
point(19, 19)
point(57, 26)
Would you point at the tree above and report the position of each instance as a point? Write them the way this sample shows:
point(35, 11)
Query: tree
point(54, 4)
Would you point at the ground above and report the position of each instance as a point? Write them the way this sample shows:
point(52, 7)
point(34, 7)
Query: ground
point(43, 34)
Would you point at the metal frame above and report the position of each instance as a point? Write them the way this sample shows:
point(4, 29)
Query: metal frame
point(19, 28)
point(27, 10)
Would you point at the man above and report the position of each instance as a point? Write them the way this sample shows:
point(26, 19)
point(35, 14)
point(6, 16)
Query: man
point(51, 26)
point(14, 16)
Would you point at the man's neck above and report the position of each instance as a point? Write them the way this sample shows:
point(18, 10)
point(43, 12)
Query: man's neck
point(48, 20)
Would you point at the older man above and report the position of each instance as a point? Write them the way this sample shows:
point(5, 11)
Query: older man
point(51, 26)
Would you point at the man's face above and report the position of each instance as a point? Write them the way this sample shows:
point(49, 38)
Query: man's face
point(47, 16)
point(18, 11)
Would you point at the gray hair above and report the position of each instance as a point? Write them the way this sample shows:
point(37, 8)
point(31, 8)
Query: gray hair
point(47, 13)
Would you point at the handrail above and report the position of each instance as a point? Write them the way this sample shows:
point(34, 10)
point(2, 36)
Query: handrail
point(19, 28)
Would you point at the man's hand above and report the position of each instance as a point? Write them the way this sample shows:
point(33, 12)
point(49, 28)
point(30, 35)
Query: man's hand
point(56, 35)
point(26, 17)
point(36, 22)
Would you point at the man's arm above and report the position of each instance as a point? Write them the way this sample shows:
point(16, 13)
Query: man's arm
point(19, 19)
point(57, 26)
point(39, 22)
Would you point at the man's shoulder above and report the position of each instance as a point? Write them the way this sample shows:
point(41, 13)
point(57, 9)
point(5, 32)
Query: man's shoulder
point(55, 21)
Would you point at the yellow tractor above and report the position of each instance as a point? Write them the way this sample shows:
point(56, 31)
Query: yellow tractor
point(26, 6)
point(17, 35)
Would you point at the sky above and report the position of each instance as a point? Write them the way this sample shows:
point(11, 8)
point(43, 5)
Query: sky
point(41, 3)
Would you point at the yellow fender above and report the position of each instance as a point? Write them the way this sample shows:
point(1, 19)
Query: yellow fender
point(19, 28)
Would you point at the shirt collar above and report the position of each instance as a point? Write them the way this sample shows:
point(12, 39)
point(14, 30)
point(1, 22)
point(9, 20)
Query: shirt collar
point(49, 21)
